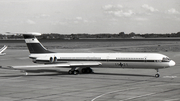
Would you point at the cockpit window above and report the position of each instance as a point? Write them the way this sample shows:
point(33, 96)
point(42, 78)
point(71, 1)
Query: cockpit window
point(165, 59)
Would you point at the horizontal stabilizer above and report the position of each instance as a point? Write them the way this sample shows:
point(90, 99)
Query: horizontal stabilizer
point(25, 33)
point(32, 33)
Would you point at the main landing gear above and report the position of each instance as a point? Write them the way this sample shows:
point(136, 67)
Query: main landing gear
point(157, 75)
point(76, 71)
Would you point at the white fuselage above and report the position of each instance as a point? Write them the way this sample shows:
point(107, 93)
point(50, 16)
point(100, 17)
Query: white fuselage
point(109, 60)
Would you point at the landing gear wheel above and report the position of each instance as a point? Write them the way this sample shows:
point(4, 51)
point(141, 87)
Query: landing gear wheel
point(89, 70)
point(70, 72)
point(83, 70)
point(157, 75)
point(76, 72)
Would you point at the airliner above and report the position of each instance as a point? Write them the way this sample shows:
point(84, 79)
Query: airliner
point(83, 62)
point(2, 50)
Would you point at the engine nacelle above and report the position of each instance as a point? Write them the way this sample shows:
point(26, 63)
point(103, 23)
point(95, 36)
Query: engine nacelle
point(45, 60)
point(53, 59)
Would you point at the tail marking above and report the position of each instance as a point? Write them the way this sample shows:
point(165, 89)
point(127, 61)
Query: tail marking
point(34, 45)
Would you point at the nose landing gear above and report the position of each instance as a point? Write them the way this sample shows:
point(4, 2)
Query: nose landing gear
point(157, 75)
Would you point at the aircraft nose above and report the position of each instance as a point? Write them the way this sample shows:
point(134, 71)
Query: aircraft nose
point(171, 63)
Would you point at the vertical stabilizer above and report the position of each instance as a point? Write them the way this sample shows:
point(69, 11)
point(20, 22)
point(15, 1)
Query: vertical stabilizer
point(34, 45)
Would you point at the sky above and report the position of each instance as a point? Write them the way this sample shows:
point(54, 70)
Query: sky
point(90, 16)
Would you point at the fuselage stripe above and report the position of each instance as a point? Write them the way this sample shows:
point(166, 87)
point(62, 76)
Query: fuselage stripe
point(104, 60)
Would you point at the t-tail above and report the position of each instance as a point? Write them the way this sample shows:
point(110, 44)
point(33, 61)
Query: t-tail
point(34, 45)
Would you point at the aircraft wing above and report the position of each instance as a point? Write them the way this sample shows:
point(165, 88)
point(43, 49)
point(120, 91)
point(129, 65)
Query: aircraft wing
point(59, 65)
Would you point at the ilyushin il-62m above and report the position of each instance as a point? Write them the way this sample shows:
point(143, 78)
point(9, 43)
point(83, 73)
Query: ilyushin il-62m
point(84, 62)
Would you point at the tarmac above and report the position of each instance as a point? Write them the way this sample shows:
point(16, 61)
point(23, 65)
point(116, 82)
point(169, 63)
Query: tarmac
point(103, 85)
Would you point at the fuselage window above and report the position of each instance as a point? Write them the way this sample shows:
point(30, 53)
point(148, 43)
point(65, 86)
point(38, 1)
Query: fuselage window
point(157, 60)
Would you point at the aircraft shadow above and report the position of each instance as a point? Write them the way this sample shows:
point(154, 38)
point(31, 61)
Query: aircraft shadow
point(56, 73)
point(39, 73)
point(115, 74)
